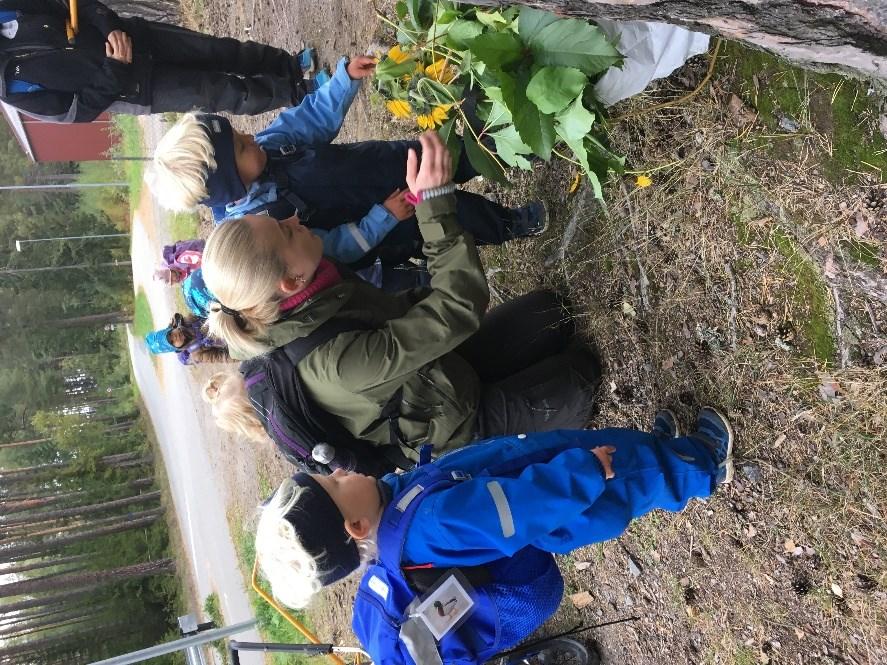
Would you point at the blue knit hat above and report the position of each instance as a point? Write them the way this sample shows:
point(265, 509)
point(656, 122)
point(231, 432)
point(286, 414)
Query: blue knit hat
point(223, 185)
point(158, 343)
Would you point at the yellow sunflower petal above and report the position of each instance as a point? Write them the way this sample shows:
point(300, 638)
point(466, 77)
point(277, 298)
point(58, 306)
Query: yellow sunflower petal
point(397, 54)
point(643, 181)
point(574, 185)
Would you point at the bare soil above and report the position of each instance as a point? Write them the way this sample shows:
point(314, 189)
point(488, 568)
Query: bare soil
point(733, 280)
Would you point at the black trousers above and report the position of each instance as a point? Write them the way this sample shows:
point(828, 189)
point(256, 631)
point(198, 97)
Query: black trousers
point(191, 70)
point(536, 376)
point(340, 182)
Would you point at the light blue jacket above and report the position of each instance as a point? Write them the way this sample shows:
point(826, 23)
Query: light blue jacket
point(317, 120)
point(548, 490)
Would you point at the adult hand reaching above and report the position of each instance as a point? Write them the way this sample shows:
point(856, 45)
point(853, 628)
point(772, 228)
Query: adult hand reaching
point(361, 66)
point(397, 205)
point(119, 47)
point(436, 169)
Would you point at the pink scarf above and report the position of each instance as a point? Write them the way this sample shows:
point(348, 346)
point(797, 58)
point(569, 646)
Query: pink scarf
point(327, 275)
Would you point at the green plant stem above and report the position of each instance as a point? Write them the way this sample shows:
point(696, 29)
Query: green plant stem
point(565, 158)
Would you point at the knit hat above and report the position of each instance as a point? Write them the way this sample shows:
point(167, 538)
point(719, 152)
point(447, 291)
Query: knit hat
point(158, 342)
point(223, 185)
point(196, 294)
point(320, 527)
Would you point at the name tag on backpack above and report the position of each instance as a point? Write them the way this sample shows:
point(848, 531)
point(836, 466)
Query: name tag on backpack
point(446, 605)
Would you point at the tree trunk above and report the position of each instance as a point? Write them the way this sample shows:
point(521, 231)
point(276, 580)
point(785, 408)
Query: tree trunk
point(80, 510)
point(93, 579)
point(168, 11)
point(28, 442)
point(88, 320)
point(46, 601)
point(43, 563)
point(846, 35)
point(56, 543)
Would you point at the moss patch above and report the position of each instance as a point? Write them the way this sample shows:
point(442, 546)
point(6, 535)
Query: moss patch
point(830, 105)
point(143, 321)
point(183, 225)
point(811, 302)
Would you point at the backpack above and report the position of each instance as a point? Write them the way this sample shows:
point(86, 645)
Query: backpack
point(306, 434)
point(513, 596)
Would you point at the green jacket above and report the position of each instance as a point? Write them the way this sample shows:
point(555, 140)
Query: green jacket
point(356, 373)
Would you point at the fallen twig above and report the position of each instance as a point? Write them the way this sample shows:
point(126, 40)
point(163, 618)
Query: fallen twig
point(843, 352)
point(558, 255)
point(731, 322)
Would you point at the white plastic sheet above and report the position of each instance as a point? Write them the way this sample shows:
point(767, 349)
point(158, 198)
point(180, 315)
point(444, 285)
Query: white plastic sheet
point(651, 50)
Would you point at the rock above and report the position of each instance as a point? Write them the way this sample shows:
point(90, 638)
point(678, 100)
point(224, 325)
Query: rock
point(788, 124)
point(581, 599)
point(752, 472)
point(633, 567)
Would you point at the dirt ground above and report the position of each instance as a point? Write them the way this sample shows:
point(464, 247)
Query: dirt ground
point(750, 275)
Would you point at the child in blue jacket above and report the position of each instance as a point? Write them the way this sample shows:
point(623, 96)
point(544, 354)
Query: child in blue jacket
point(185, 337)
point(553, 491)
point(353, 195)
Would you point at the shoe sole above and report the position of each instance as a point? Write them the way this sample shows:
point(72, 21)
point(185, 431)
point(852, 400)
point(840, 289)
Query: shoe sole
point(728, 464)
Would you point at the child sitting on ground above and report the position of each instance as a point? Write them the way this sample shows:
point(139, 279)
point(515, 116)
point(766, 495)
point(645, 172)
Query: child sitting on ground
point(185, 337)
point(291, 168)
point(179, 260)
point(491, 511)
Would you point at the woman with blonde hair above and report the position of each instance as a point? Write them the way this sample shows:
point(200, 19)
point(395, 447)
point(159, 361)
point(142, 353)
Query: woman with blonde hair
point(451, 379)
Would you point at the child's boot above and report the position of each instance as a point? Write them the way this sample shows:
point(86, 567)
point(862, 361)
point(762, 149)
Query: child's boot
point(529, 220)
point(665, 425)
point(715, 432)
point(307, 60)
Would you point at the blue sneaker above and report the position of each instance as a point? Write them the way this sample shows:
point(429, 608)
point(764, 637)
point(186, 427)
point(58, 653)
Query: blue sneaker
point(307, 60)
point(714, 430)
point(665, 425)
point(320, 79)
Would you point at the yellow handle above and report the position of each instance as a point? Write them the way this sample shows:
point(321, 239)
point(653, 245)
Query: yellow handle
point(75, 21)
point(298, 625)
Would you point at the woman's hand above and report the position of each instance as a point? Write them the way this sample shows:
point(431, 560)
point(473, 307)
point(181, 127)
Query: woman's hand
point(605, 457)
point(436, 169)
point(361, 66)
point(119, 47)
point(398, 205)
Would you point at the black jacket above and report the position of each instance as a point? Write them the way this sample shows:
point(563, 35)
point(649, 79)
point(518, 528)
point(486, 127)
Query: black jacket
point(80, 81)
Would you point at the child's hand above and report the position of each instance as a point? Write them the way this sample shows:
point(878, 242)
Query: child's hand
point(119, 47)
point(436, 169)
point(361, 66)
point(605, 456)
point(398, 205)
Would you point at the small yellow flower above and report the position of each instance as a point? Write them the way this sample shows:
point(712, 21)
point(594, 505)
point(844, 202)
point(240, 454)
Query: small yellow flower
point(439, 71)
point(399, 108)
point(643, 181)
point(396, 54)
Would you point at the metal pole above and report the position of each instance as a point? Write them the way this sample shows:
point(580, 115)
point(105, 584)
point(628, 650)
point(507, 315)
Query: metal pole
point(177, 645)
point(19, 243)
point(17, 271)
point(73, 185)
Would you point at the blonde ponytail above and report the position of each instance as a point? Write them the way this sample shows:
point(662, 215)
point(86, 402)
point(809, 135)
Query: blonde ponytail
point(244, 276)
point(226, 393)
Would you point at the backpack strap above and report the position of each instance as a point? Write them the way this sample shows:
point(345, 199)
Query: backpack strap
point(299, 348)
point(278, 158)
point(399, 513)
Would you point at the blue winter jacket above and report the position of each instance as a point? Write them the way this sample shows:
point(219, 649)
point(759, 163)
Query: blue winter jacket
point(317, 120)
point(548, 490)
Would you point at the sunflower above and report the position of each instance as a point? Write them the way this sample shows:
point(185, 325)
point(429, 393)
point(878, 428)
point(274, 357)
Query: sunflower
point(440, 71)
point(399, 108)
point(434, 118)
point(396, 54)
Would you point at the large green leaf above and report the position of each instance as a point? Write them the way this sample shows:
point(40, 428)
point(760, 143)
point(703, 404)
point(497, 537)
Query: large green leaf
point(498, 113)
point(510, 148)
point(497, 49)
point(536, 129)
point(401, 10)
point(482, 161)
point(532, 21)
point(573, 43)
point(451, 139)
point(461, 32)
point(492, 19)
point(578, 148)
point(553, 88)
point(388, 69)
point(421, 12)
point(574, 122)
